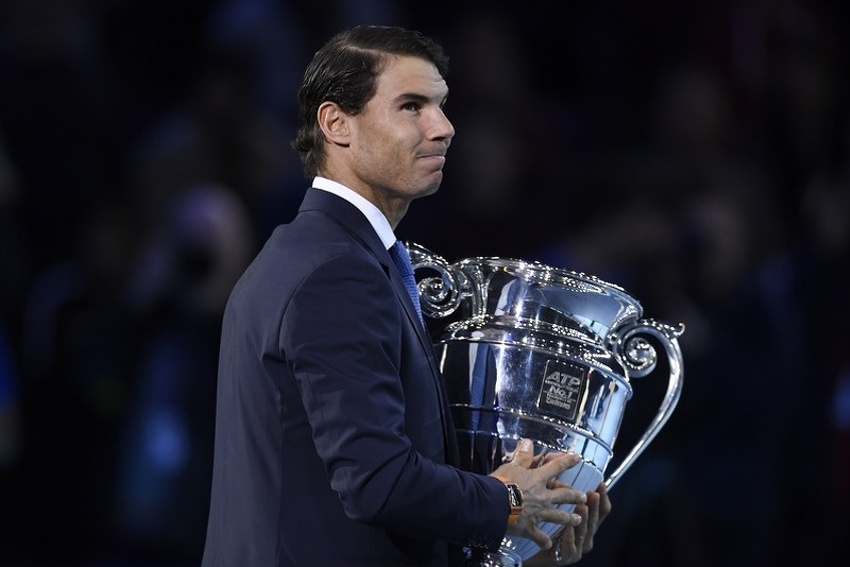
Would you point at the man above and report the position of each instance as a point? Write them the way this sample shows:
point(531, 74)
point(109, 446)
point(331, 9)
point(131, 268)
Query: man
point(334, 445)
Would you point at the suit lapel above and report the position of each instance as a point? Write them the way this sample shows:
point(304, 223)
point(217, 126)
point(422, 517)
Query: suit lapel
point(350, 217)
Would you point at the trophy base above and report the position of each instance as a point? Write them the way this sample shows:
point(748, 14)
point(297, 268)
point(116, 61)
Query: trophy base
point(501, 558)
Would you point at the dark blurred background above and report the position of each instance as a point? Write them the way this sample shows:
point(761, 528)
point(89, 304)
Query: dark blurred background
point(696, 153)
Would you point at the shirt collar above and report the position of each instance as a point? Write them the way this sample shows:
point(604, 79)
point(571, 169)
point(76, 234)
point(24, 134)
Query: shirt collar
point(372, 213)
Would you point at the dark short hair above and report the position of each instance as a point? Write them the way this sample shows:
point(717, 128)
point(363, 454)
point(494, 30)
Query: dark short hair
point(345, 71)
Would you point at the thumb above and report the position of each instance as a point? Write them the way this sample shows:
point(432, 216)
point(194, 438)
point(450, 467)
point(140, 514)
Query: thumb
point(523, 455)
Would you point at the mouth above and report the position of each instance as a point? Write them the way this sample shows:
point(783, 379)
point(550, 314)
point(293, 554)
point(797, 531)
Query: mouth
point(435, 159)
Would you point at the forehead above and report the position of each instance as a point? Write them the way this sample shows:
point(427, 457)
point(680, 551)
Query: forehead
point(410, 75)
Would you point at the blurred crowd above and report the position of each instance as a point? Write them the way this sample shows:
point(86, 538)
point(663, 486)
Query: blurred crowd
point(695, 153)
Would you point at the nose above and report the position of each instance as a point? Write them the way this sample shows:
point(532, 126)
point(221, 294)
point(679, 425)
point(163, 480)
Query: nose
point(441, 128)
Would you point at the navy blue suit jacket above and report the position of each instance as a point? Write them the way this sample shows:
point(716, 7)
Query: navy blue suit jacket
point(334, 445)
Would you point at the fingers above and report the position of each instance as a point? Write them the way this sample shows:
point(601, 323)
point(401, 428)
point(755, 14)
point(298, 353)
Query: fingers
point(593, 519)
point(566, 495)
point(568, 550)
point(598, 507)
point(522, 461)
point(572, 540)
point(523, 455)
point(571, 543)
point(556, 463)
point(558, 516)
point(583, 530)
point(539, 537)
point(604, 501)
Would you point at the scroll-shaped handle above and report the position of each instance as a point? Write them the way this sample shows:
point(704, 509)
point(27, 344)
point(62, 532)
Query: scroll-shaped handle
point(640, 358)
point(442, 288)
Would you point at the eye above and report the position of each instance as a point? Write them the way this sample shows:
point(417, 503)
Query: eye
point(411, 105)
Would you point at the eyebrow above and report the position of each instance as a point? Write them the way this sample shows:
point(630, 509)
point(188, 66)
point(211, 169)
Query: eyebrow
point(416, 97)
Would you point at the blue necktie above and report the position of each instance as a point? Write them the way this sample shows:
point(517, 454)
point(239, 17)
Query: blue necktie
point(398, 251)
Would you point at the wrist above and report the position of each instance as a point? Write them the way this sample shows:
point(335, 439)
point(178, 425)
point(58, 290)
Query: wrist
point(515, 500)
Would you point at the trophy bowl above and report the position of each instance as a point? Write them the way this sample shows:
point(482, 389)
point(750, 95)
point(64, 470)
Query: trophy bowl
point(532, 351)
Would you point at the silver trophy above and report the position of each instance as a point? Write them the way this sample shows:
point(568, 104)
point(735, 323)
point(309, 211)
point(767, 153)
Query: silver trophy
point(531, 351)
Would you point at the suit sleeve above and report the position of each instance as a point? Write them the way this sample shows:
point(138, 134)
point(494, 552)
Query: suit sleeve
point(341, 336)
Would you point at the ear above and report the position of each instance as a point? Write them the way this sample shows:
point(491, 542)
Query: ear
point(334, 123)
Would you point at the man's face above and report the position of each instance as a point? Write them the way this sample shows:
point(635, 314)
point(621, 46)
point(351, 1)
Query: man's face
point(400, 138)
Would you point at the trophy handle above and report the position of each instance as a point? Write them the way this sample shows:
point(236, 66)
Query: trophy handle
point(443, 287)
point(640, 358)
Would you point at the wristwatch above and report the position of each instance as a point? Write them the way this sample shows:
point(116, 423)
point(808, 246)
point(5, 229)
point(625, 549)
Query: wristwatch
point(515, 499)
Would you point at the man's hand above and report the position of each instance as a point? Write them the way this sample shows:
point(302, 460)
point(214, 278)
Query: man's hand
point(573, 542)
point(541, 491)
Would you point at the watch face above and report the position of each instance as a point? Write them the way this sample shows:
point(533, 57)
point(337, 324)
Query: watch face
point(515, 495)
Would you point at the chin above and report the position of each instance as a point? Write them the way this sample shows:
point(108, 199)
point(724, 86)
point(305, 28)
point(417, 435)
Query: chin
point(430, 189)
